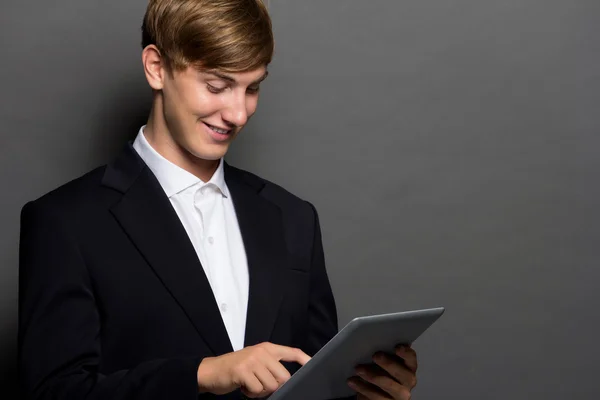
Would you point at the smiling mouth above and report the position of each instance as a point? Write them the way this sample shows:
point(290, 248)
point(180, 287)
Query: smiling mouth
point(219, 130)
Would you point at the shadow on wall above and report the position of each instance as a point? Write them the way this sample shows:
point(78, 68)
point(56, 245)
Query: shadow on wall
point(125, 110)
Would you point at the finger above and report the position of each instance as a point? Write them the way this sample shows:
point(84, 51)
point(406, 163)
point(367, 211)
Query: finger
point(367, 390)
point(280, 373)
point(251, 386)
point(396, 368)
point(290, 354)
point(267, 380)
point(409, 355)
point(381, 379)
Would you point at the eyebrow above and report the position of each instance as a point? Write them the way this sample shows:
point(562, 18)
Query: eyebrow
point(231, 79)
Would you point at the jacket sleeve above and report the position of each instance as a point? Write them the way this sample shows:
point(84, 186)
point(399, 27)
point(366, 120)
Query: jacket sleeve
point(322, 314)
point(59, 326)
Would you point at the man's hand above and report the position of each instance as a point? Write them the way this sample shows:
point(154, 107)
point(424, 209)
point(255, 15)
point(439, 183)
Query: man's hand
point(257, 370)
point(391, 377)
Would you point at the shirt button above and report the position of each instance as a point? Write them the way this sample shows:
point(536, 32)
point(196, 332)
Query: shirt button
point(211, 240)
point(224, 307)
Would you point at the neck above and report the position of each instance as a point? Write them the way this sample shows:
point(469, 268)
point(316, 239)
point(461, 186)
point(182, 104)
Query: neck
point(158, 135)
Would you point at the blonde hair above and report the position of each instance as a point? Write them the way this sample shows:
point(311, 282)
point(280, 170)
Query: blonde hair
point(227, 35)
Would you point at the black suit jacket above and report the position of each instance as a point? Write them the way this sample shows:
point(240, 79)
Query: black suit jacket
point(113, 301)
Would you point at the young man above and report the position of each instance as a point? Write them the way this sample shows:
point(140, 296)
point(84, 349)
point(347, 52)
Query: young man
point(169, 274)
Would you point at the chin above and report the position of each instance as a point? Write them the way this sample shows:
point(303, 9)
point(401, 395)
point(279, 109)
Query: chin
point(208, 154)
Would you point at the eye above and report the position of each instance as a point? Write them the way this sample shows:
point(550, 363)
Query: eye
point(253, 90)
point(214, 89)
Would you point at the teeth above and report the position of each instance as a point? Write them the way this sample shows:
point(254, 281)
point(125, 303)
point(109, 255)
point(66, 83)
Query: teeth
point(221, 131)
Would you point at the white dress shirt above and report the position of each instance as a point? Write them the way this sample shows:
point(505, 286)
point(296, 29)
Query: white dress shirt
point(208, 216)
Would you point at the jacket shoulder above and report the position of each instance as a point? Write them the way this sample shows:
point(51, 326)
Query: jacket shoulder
point(72, 196)
point(277, 194)
point(299, 217)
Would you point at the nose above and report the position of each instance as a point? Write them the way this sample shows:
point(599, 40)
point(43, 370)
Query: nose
point(236, 112)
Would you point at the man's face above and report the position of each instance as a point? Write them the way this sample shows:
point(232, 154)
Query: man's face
point(205, 110)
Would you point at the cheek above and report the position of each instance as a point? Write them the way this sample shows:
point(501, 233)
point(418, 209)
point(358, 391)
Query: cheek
point(194, 101)
point(177, 113)
point(251, 105)
point(175, 104)
point(203, 104)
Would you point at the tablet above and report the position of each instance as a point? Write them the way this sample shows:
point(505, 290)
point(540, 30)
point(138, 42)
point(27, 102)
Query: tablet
point(324, 376)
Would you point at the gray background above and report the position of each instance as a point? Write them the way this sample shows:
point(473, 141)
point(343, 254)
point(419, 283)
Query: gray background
point(451, 148)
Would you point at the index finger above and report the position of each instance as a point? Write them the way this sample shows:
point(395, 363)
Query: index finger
point(292, 354)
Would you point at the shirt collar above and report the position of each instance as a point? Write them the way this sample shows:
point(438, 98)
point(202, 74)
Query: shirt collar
point(172, 178)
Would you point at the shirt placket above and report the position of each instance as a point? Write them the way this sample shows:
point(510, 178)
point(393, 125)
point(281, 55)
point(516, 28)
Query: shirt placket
point(202, 208)
point(205, 202)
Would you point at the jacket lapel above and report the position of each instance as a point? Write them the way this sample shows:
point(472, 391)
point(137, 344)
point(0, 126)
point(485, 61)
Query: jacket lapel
point(261, 226)
point(148, 218)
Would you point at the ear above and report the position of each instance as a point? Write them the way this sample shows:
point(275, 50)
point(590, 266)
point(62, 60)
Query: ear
point(154, 67)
